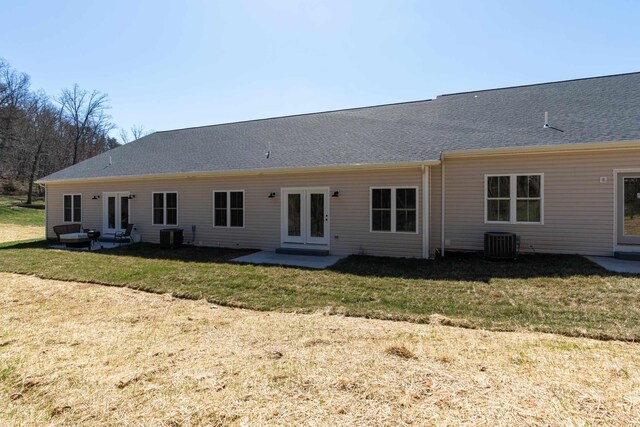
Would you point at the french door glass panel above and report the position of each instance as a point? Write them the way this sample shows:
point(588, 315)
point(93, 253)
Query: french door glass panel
point(294, 214)
point(316, 214)
point(632, 206)
point(124, 212)
point(307, 217)
point(111, 212)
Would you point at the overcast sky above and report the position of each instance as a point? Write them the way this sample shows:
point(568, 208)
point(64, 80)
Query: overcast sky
point(176, 64)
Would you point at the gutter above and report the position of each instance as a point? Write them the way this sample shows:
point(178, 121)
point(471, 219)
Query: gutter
point(244, 172)
point(547, 149)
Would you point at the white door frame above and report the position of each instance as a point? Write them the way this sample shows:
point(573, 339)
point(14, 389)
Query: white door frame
point(304, 240)
point(616, 245)
point(105, 210)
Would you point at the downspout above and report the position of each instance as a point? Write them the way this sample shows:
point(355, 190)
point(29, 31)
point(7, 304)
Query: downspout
point(426, 230)
point(442, 202)
point(46, 212)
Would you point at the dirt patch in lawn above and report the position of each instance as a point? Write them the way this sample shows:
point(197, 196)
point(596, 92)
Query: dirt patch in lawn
point(12, 232)
point(73, 353)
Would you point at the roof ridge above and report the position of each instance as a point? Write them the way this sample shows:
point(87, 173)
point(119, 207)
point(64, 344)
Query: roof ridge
point(539, 84)
point(297, 115)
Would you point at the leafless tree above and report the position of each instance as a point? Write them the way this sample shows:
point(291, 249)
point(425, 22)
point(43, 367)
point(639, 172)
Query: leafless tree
point(87, 112)
point(38, 137)
point(41, 134)
point(137, 132)
point(14, 89)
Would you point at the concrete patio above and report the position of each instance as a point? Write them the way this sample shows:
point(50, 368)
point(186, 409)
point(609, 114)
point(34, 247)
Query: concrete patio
point(272, 258)
point(95, 246)
point(616, 265)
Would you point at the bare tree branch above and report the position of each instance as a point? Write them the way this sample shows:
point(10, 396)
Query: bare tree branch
point(87, 114)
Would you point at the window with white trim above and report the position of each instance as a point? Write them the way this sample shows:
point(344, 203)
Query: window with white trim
point(514, 199)
point(394, 209)
point(165, 208)
point(228, 208)
point(72, 207)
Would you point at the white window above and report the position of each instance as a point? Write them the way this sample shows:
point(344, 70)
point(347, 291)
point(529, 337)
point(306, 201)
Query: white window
point(165, 208)
point(72, 207)
point(228, 208)
point(514, 199)
point(394, 209)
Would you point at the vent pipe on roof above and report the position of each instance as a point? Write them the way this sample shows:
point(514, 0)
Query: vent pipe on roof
point(546, 123)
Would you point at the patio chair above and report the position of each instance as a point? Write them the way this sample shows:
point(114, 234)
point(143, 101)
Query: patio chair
point(123, 236)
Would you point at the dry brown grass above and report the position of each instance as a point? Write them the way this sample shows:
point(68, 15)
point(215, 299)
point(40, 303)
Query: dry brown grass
point(13, 232)
point(80, 354)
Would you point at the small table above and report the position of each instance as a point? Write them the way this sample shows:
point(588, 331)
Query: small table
point(76, 240)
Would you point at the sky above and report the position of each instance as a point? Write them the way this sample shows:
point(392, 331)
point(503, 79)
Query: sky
point(176, 64)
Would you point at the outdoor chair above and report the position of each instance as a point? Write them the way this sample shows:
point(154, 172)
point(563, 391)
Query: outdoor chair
point(123, 236)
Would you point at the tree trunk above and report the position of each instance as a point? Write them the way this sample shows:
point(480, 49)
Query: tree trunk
point(34, 168)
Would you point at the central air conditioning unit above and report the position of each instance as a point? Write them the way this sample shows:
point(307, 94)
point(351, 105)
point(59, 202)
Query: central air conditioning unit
point(500, 245)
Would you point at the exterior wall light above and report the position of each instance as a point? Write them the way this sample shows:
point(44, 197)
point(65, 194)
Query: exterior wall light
point(272, 195)
point(336, 194)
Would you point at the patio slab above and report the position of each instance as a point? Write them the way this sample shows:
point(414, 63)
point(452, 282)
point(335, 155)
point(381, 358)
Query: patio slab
point(94, 247)
point(616, 265)
point(272, 258)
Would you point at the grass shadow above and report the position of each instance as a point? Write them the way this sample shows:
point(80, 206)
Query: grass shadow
point(471, 267)
point(462, 267)
point(184, 254)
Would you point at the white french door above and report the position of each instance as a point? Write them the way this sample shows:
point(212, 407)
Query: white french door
point(115, 208)
point(305, 216)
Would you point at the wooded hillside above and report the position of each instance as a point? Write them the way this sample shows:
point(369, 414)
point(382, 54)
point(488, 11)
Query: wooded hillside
point(40, 134)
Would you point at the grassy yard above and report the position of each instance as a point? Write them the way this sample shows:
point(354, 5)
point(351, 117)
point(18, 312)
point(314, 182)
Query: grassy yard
point(80, 354)
point(11, 214)
point(559, 294)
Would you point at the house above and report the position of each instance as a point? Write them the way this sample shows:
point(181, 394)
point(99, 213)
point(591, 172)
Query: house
point(557, 163)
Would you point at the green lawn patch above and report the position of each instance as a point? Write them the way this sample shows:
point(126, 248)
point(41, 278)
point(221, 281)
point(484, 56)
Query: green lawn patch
point(12, 214)
point(551, 293)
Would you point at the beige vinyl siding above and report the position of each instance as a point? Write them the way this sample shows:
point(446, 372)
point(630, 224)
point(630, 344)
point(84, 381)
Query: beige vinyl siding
point(349, 213)
point(578, 208)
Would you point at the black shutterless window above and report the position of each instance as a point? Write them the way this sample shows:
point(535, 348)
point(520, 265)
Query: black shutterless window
point(514, 199)
point(171, 200)
point(220, 209)
point(236, 208)
point(394, 210)
point(381, 209)
point(228, 208)
point(72, 208)
point(165, 208)
point(406, 209)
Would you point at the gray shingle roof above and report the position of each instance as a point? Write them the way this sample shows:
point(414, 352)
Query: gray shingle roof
point(599, 109)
